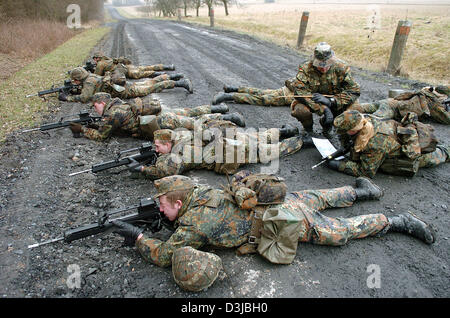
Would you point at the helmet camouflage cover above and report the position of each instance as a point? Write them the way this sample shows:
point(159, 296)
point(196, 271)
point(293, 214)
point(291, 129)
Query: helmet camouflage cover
point(347, 121)
point(195, 270)
point(78, 74)
point(98, 54)
point(101, 97)
point(323, 55)
point(173, 183)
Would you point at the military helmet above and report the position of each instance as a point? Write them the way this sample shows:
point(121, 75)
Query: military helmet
point(98, 54)
point(348, 120)
point(442, 89)
point(78, 74)
point(195, 270)
point(101, 97)
point(173, 183)
point(163, 135)
point(323, 55)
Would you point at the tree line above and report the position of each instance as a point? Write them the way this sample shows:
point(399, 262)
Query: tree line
point(53, 10)
point(168, 8)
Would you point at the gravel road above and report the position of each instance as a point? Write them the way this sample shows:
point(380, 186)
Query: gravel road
point(38, 200)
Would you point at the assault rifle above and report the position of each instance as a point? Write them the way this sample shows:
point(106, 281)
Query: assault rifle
point(67, 89)
point(146, 155)
point(90, 67)
point(84, 119)
point(334, 155)
point(147, 214)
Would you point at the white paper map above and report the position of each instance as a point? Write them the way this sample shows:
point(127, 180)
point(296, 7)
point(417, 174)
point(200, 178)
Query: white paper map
point(325, 147)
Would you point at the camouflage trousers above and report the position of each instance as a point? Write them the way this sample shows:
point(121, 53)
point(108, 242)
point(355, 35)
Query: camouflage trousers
point(263, 97)
point(174, 121)
point(432, 159)
point(320, 229)
point(189, 112)
point(144, 88)
point(137, 72)
point(247, 148)
point(389, 108)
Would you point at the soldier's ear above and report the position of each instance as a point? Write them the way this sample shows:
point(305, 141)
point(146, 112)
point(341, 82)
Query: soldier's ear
point(178, 204)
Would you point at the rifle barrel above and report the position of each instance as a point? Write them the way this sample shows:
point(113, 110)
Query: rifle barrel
point(46, 242)
point(79, 172)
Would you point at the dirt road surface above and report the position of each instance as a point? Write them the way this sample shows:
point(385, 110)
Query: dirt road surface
point(39, 200)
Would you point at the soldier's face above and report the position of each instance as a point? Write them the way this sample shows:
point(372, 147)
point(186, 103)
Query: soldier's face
point(99, 107)
point(170, 210)
point(163, 147)
point(323, 69)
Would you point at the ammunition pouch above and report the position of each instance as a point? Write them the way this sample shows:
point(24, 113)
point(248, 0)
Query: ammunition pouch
point(400, 166)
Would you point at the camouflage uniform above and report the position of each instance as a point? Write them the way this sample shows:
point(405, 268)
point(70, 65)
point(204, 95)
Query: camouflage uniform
point(384, 144)
point(337, 81)
point(422, 102)
point(121, 117)
point(264, 97)
point(209, 216)
point(91, 84)
point(143, 88)
point(189, 153)
point(124, 70)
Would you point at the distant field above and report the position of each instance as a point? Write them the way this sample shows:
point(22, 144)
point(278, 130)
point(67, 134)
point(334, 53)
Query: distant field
point(349, 29)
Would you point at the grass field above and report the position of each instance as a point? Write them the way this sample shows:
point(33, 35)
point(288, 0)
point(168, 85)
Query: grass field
point(17, 111)
point(350, 31)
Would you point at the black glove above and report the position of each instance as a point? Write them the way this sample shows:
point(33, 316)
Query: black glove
point(128, 231)
point(319, 98)
point(327, 119)
point(62, 97)
point(334, 164)
point(76, 129)
point(134, 166)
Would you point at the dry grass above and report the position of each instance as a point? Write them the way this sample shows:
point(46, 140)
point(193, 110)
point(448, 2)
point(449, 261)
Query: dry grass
point(345, 28)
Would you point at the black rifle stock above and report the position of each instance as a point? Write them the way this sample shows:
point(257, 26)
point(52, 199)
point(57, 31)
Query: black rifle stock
point(84, 119)
point(66, 89)
point(90, 67)
point(147, 213)
point(334, 155)
point(146, 155)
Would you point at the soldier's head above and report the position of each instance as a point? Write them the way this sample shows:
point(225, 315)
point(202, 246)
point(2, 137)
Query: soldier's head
point(99, 101)
point(195, 270)
point(323, 57)
point(78, 75)
point(172, 191)
point(350, 122)
point(97, 56)
point(163, 140)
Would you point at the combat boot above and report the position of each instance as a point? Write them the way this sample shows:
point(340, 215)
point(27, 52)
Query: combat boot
point(185, 83)
point(367, 190)
point(307, 141)
point(222, 97)
point(221, 108)
point(170, 67)
point(176, 77)
point(287, 131)
point(155, 74)
point(235, 118)
point(230, 89)
point(409, 224)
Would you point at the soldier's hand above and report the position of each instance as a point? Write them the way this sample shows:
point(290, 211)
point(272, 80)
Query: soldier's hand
point(134, 166)
point(333, 164)
point(320, 99)
point(62, 97)
point(76, 129)
point(128, 231)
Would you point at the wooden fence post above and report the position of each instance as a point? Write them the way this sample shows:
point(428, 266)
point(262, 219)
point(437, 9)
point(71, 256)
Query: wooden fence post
point(211, 17)
point(302, 30)
point(179, 14)
point(401, 35)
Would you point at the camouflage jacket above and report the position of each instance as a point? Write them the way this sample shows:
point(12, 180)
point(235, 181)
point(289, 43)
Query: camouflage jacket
point(106, 64)
point(208, 217)
point(91, 85)
point(384, 144)
point(338, 82)
point(118, 118)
